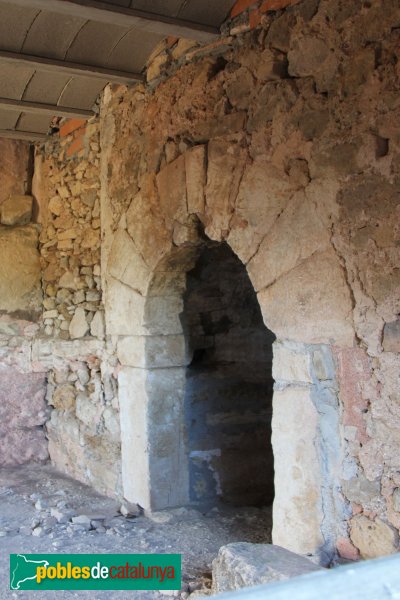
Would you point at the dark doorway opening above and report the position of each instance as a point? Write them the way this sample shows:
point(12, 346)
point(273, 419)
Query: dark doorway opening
point(229, 385)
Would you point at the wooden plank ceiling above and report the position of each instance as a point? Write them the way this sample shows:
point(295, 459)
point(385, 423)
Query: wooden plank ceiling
point(56, 56)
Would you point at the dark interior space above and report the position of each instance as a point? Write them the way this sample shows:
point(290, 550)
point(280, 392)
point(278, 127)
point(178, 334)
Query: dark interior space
point(229, 385)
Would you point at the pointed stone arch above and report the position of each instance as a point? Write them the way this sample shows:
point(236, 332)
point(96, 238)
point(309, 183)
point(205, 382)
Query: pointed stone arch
point(303, 298)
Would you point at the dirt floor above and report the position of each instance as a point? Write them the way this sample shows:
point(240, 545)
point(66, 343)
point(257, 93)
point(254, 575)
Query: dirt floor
point(38, 506)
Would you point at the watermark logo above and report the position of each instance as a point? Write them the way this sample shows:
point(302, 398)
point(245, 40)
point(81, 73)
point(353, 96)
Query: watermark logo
point(95, 571)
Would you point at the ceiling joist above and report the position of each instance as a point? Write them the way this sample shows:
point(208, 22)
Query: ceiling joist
point(68, 68)
point(104, 12)
point(38, 108)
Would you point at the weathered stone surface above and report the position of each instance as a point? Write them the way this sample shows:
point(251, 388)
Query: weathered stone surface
point(23, 411)
point(316, 296)
point(124, 309)
point(361, 491)
point(396, 500)
point(17, 210)
point(291, 363)
point(126, 264)
point(297, 510)
point(225, 167)
point(79, 326)
point(195, 167)
point(307, 56)
point(97, 326)
point(171, 184)
point(391, 337)
point(87, 411)
point(19, 270)
point(296, 235)
point(153, 351)
point(264, 192)
point(240, 88)
point(245, 565)
point(13, 168)
point(373, 538)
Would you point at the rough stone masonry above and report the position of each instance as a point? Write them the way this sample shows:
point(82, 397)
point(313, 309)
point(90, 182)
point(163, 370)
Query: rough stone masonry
point(282, 140)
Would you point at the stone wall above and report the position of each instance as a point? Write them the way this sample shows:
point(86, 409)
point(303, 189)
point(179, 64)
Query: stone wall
point(282, 141)
point(15, 175)
point(83, 429)
point(23, 410)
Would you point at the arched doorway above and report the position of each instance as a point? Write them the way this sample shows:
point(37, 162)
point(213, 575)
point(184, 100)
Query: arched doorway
point(229, 385)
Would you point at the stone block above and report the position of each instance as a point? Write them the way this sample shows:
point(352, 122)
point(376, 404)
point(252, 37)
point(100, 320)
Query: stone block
point(361, 491)
point(324, 367)
point(14, 167)
point(396, 500)
point(153, 352)
point(334, 160)
point(171, 184)
point(391, 336)
point(78, 326)
point(240, 88)
point(97, 326)
point(20, 287)
point(162, 315)
point(373, 538)
point(297, 510)
point(17, 210)
point(291, 364)
point(87, 411)
point(64, 397)
point(18, 449)
point(311, 304)
point(195, 166)
point(23, 411)
point(134, 436)
point(225, 168)
point(241, 564)
point(126, 264)
point(69, 281)
point(307, 56)
point(296, 235)
point(124, 309)
point(263, 193)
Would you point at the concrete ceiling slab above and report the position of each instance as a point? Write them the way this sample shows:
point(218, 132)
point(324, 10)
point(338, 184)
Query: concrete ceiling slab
point(13, 80)
point(89, 38)
point(45, 87)
point(123, 3)
point(67, 55)
point(14, 23)
point(33, 123)
point(9, 119)
point(133, 50)
point(208, 12)
point(160, 7)
point(51, 36)
point(80, 93)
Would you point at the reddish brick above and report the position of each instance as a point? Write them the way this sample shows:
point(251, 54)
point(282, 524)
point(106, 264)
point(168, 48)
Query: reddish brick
point(346, 549)
point(276, 4)
point(254, 18)
point(353, 372)
point(240, 6)
point(171, 41)
point(75, 147)
point(71, 125)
